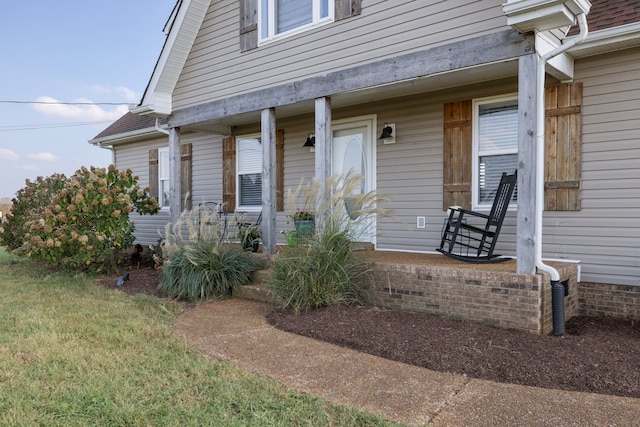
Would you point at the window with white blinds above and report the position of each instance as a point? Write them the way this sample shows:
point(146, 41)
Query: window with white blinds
point(163, 177)
point(249, 170)
point(495, 146)
point(278, 17)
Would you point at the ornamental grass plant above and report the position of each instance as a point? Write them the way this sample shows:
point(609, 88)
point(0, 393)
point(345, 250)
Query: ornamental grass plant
point(322, 268)
point(202, 270)
point(197, 264)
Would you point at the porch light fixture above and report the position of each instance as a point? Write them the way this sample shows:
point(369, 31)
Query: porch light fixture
point(388, 133)
point(310, 142)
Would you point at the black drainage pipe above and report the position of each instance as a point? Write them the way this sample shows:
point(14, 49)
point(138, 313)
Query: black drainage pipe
point(557, 303)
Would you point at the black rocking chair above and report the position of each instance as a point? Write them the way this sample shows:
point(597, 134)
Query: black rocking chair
point(465, 241)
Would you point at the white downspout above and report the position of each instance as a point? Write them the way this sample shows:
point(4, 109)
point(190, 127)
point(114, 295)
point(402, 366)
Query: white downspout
point(540, 118)
point(113, 152)
point(159, 129)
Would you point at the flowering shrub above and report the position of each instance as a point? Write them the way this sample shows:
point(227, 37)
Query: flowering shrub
point(86, 224)
point(26, 206)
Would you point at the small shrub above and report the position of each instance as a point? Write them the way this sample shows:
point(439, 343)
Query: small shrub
point(318, 274)
point(200, 270)
point(322, 268)
point(27, 206)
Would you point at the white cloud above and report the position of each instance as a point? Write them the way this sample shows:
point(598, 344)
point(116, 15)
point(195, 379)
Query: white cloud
point(54, 108)
point(121, 91)
point(6, 154)
point(44, 156)
point(29, 168)
point(128, 94)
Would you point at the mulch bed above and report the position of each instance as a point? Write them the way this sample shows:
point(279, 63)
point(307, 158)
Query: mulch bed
point(598, 355)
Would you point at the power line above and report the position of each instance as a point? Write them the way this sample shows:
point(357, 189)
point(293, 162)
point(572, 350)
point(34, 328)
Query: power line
point(13, 128)
point(61, 103)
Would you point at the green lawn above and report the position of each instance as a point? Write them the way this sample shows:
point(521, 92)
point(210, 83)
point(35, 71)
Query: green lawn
point(72, 353)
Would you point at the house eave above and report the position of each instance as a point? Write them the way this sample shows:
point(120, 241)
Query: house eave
point(126, 137)
point(608, 40)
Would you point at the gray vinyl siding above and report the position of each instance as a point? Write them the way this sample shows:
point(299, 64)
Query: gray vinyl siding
point(605, 234)
point(409, 172)
point(217, 69)
point(206, 183)
point(135, 156)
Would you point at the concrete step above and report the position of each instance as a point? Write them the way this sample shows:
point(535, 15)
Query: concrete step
point(256, 290)
point(267, 259)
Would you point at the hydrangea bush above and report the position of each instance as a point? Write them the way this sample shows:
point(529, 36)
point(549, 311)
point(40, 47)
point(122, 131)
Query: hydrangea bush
point(26, 207)
point(86, 223)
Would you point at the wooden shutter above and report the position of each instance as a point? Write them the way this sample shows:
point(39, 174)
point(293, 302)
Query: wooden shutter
point(153, 173)
point(563, 147)
point(248, 25)
point(185, 176)
point(280, 170)
point(457, 158)
point(347, 8)
point(229, 173)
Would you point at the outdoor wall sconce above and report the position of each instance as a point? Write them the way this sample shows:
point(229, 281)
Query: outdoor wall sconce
point(311, 142)
point(388, 135)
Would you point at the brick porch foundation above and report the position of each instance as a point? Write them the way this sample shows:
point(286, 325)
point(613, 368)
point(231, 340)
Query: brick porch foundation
point(480, 294)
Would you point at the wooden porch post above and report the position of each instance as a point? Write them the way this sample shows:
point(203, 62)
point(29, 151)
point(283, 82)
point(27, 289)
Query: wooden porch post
point(324, 137)
point(268, 137)
point(175, 180)
point(527, 112)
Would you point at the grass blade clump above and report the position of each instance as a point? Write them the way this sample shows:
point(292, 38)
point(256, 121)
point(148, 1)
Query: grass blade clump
point(196, 263)
point(324, 269)
point(203, 270)
point(319, 274)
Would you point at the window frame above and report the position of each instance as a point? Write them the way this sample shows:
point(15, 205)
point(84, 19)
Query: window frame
point(270, 20)
point(161, 199)
point(475, 175)
point(239, 205)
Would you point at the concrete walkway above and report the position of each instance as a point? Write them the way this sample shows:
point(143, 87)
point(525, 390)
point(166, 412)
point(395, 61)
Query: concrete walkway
point(236, 331)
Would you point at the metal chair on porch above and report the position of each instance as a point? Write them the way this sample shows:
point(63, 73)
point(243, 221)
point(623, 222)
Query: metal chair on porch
point(471, 236)
point(209, 220)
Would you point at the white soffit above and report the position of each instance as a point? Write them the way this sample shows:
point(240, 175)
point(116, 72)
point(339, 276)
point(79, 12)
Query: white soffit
point(560, 66)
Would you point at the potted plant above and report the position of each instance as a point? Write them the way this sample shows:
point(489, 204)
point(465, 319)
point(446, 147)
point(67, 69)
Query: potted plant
point(291, 237)
point(250, 238)
point(304, 222)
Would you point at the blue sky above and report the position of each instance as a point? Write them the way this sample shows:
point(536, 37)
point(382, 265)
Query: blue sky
point(70, 51)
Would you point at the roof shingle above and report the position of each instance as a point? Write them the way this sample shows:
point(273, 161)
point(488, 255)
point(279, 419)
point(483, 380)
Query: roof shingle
point(128, 123)
point(610, 13)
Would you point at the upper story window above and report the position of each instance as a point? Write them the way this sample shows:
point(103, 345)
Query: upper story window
point(249, 172)
point(163, 177)
point(283, 17)
point(495, 145)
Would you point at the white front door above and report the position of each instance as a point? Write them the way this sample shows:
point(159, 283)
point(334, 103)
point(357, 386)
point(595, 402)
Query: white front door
point(354, 150)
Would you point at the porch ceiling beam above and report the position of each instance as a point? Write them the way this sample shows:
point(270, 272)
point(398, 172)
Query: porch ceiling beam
point(490, 48)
